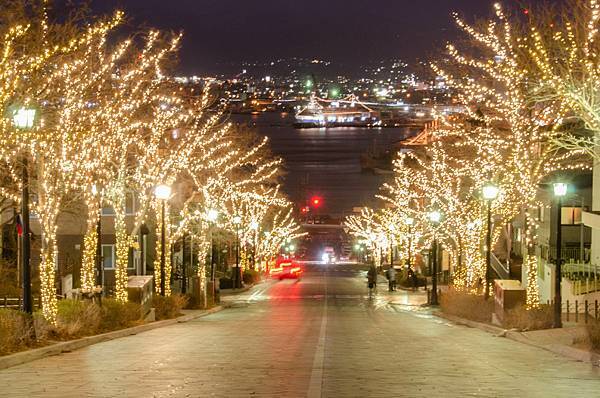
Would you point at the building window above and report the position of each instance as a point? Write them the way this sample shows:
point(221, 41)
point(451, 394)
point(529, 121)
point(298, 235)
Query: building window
point(540, 216)
point(107, 210)
point(108, 256)
point(571, 216)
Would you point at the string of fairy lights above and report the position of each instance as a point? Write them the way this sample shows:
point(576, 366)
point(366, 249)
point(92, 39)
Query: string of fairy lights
point(111, 125)
point(501, 138)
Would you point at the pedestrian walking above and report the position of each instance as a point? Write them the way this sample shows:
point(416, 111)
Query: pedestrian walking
point(391, 275)
point(372, 277)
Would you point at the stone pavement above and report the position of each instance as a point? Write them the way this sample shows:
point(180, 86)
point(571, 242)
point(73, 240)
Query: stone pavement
point(320, 337)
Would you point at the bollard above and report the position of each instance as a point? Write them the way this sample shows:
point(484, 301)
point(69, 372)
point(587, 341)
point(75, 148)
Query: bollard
point(586, 312)
point(567, 310)
point(596, 309)
point(576, 311)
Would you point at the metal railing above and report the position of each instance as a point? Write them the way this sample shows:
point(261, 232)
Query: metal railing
point(578, 311)
point(585, 278)
point(16, 302)
point(571, 254)
point(503, 270)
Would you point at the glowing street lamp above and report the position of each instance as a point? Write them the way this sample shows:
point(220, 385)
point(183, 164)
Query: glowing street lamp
point(435, 217)
point(490, 193)
point(163, 193)
point(212, 215)
point(23, 119)
point(560, 190)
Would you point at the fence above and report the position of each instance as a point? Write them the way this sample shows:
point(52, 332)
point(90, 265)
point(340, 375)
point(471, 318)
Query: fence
point(571, 254)
point(585, 277)
point(16, 302)
point(578, 311)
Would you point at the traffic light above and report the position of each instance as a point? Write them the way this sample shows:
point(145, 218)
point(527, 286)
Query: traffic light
point(305, 210)
point(316, 201)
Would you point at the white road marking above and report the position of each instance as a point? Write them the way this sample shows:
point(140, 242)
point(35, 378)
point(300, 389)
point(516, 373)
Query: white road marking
point(315, 387)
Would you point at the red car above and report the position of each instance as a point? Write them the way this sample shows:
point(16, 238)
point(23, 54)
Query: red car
point(286, 269)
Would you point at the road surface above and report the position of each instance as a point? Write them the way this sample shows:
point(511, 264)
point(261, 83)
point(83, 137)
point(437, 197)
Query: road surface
point(319, 337)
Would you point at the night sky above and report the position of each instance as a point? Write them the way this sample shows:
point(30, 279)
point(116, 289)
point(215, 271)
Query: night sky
point(222, 33)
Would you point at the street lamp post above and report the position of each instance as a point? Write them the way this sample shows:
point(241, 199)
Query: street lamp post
point(23, 118)
point(237, 220)
point(391, 229)
point(435, 218)
point(183, 270)
point(409, 222)
point(254, 226)
point(560, 190)
point(490, 193)
point(212, 215)
point(163, 193)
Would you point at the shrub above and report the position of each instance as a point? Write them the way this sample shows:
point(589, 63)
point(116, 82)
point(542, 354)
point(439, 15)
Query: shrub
point(593, 332)
point(192, 302)
point(77, 318)
point(404, 280)
point(43, 330)
point(168, 307)
point(116, 315)
point(251, 276)
point(15, 331)
point(8, 280)
point(467, 305)
point(534, 319)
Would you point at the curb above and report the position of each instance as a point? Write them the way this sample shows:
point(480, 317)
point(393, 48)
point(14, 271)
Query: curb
point(68, 346)
point(566, 351)
point(559, 349)
point(233, 292)
point(466, 322)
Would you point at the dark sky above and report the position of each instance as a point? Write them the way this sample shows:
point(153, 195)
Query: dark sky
point(219, 32)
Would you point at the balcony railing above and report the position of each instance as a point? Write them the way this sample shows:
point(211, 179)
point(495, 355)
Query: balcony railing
point(571, 254)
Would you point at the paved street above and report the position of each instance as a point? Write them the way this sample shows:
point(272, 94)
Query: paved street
point(321, 336)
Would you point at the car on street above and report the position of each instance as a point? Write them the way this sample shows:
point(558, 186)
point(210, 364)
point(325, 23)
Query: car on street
point(286, 269)
point(328, 256)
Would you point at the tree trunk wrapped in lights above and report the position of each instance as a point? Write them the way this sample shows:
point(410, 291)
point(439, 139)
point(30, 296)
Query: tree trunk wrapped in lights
point(159, 249)
point(90, 242)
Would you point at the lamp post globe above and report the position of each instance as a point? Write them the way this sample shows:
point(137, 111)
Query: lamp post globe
point(24, 118)
point(212, 215)
point(490, 191)
point(560, 189)
point(435, 217)
point(162, 192)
